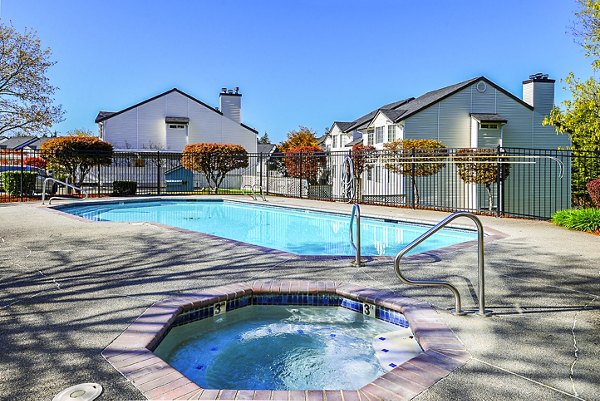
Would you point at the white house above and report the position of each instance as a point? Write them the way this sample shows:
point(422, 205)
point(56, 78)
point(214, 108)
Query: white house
point(173, 119)
point(473, 113)
point(469, 114)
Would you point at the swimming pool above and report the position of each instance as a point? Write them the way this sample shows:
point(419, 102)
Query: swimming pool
point(298, 231)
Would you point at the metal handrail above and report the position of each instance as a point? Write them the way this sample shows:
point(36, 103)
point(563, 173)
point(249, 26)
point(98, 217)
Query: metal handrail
point(356, 246)
point(66, 184)
point(480, 262)
point(262, 195)
point(252, 194)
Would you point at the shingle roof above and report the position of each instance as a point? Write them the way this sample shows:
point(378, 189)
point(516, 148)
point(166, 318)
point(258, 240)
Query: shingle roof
point(103, 115)
point(487, 117)
point(344, 125)
point(361, 121)
point(354, 142)
point(408, 107)
point(265, 147)
point(18, 142)
point(393, 114)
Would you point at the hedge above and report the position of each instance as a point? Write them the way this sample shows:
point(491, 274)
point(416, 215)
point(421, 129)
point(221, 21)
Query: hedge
point(11, 182)
point(124, 188)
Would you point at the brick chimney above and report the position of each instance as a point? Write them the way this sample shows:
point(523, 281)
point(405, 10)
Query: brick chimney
point(231, 104)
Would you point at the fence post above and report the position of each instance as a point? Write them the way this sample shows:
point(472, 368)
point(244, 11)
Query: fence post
point(158, 172)
point(98, 176)
point(412, 179)
point(21, 181)
point(260, 169)
point(300, 175)
point(499, 205)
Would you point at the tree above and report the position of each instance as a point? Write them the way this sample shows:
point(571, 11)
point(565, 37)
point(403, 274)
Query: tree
point(305, 162)
point(361, 155)
point(579, 117)
point(264, 139)
point(26, 103)
point(473, 168)
point(214, 160)
point(414, 158)
point(76, 155)
point(301, 137)
point(35, 162)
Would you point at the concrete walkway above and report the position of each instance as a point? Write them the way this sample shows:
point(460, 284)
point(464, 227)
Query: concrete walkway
point(68, 288)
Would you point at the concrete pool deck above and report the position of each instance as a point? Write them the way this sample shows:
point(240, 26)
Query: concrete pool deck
point(68, 288)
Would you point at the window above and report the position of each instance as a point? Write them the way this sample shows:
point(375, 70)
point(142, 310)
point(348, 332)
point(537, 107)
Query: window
point(370, 137)
point(379, 135)
point(177, 126)
point(489, 125)
point(391, 133)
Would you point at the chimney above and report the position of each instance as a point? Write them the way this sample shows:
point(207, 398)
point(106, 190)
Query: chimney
point(231, 104)
point(538, 91)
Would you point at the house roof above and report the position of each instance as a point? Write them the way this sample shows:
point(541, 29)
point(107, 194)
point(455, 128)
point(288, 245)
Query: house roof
point(404, 109)
point(20, 142)
point(354, 142)
point(322, 138)
point(488, 118)
point(105, 115)
point(361, 122)
point(343, 125)
point(265, 148)
point(393, 115)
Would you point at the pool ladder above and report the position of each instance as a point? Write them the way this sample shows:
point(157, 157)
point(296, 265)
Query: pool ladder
point(356, 246)
point(252, 192)
point(66, 184)
point(480, 263)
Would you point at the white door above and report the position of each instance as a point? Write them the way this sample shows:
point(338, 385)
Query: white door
point(177, 137)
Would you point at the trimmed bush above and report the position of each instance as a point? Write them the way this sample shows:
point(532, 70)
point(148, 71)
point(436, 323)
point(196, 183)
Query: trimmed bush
point(593, 188)
point(124, 188)
point(35, 162)
point(587, 219)
point(11, 182)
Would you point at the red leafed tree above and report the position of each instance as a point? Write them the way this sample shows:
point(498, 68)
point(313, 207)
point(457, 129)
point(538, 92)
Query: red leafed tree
point(35, 162)
point(305, 162)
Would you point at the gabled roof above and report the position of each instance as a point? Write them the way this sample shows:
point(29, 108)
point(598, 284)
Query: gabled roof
point(488, 118)
point(392, 115)
point(265, 148)
point(361, 121)
point(343, 125)
point(20, 142)
point(414, 105)
point(105, 115)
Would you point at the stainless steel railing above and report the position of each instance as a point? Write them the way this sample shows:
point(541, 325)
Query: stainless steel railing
point(261, 193)
point(480, 262)
point(356, 246)
point(66, 184)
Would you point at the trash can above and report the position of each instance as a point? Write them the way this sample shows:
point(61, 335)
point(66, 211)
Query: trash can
point(179, 179)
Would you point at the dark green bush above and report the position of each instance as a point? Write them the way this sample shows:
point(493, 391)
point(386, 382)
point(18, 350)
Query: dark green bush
point(11, 182)
point(124, 188)
point(587, 219)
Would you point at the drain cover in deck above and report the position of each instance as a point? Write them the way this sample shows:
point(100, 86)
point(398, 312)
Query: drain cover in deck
point(79, 392)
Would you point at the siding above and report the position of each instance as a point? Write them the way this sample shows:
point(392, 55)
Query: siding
point(144, 127)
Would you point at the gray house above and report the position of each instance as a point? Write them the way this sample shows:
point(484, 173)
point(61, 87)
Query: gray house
point(476, 113)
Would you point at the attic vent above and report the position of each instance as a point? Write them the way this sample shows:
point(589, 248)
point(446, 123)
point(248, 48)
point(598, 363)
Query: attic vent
point(481, 87)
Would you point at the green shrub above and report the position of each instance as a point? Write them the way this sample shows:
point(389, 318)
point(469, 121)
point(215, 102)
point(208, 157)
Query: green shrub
point(11, 182)
point(587, 219)
point(124, 188)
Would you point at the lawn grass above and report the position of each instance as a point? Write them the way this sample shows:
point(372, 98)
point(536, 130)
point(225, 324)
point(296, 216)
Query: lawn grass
point(587, 219)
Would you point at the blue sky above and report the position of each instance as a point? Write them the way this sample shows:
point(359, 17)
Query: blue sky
point(303, 62)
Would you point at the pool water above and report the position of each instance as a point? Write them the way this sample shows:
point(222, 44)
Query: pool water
point(278, 348)
point(298, 231)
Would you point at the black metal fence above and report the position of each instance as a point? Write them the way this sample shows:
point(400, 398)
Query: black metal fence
point(532, 183)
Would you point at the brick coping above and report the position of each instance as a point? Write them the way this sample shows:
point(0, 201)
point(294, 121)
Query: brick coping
point(130, 353)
